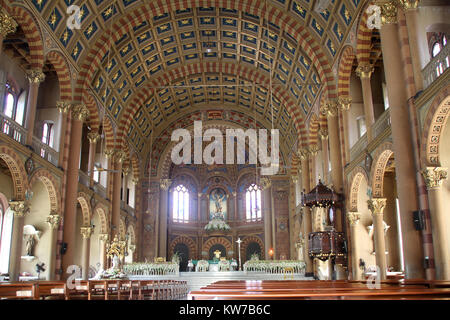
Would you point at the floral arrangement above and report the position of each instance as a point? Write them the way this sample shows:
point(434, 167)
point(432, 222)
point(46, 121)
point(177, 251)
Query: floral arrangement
point(254, 256)
point(217, 223)
point(176, 258)
point(112, 273)
point(153, 268)
point(224, 265)
point(202, 265)
point(274, 266)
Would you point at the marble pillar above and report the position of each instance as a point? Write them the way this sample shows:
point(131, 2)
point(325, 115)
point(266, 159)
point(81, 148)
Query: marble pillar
point(267, 207)
point(376, 206)
point(20, 209)
point(53, 221)
point(163, 216)
point(93, 138)
point(86, 232)
point(364, 71)
point(353, 220)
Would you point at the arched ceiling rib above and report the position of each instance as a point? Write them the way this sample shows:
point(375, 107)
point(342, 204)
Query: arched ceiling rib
point(294, 48)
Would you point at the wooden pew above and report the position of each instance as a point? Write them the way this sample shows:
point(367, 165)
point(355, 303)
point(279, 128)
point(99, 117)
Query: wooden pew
point(19, 290)
point(53, 289)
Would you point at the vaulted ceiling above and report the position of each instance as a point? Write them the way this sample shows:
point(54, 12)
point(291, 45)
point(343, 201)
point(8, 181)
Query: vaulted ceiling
point(151, 63)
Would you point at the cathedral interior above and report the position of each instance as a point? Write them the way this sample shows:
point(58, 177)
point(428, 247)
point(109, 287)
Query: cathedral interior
point(357, 91)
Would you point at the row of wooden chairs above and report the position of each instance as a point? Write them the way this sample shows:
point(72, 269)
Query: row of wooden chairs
point(95, 290)
point(323, 290)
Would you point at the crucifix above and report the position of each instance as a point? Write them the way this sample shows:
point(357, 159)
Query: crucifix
point(239, 252)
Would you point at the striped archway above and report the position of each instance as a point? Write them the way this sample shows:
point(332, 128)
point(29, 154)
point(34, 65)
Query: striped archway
point(247, 240)
point(381, 158)
point(345, 70)
point(218, 240)
point(190, 243)
point(363, 37)
point(63, 72)
point(102, 211)
point(17, 169)
point(52, 187)
point(356, 177)
point(85, 208)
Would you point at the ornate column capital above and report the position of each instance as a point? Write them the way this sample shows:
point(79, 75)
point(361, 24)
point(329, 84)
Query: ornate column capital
point(135, 180)
point(323, 133)
point(126, 170)
point(353, 218)
point(199, 195)
point(108, 153)
point(434, 176)
point(80, 112)
point(93, 137)
point(119, 156)
point(294, 179)
point(35, 76)
point(7, 23)
point(53, 220)
point(132, 247)
point(364, 70)
point(63, 106)
point(86, 232)
point(376, 205)
point(313, 149)
point(344, 103)
point(165, 184)
point(408, 4)
point(103, 237)
point(265, 183)
point(388, 11)
point(20, 208)
point(303, 153)
point(330, 108)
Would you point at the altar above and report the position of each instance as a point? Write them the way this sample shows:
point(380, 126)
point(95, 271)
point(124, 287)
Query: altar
point(212, 265)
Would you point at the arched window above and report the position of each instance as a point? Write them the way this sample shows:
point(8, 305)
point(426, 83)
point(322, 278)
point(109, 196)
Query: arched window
point(436, 49)
point(253, 203)
point(5, 240)
point(180, 204)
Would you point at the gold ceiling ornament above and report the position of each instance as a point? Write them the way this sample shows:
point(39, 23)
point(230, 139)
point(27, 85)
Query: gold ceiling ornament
point(116, 248)
point(344, 103)
point(265, 183)
point(19, 208)
point(35, 76)
point(376, 205)
point(63, 106)
point(323, 133)
point(86, 232)
point(353, 218)
point(434, 176)
point(80, 112)
point(7, 23)
point(93, 137)
point(53, 220)
point(388, 11)
point(364, 70)
point(330, 108)
point(165, 184)
point(408, 4)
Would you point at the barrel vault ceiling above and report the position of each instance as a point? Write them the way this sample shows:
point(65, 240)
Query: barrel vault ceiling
point(204, 56)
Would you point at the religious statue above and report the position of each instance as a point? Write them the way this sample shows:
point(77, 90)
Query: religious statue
point(218, 196)
point(217, 254)
point(115, 262)
point(29, 245)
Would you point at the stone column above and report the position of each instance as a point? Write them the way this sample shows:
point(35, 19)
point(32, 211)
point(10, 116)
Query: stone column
point(353, 220)
point(411, 15)
point(313, 150)
point(364, 71)
point(236, 207)
point(402, 140)
point(376, 206)
point(53, 221)
point(93, 138)
point(323, 132)
point(79, 115)
point(199, 211)
point(434, 176)
point(103, 241)
point(64, 108)
point(7, 25)
point(35, 77)
point(306, 212)
point(86, 232)
point(267, 207)
point(125, 171)
point(20, 209)
point(109, 154)
point(163, 212)
point(119, 157)
point(344, 104)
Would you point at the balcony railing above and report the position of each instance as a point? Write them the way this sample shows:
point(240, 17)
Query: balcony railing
point(436, 67)
point(358, 147)
point(83, 178)
point(13, 129)
point(45, 151)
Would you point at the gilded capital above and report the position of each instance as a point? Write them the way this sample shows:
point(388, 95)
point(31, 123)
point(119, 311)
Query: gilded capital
point(125, 170)
point(63, 106)
point(35, 76)
point(353, 218)
point(313, 149)
point(19, 208)
point(108, 153)
point(132, 247)
point(330, 108)
point(165, 184)
point(364, 70)
point(376, 205)
point(93, 137)
point(303, 153)
point(86, 232)
point(388, 11)
point(408, 4)
point(80, 112)
point(135, 180)
point(344, 103)
point(53, 220)
point(7, 24)
point(434, 176)
point(323, 133)
point(265, 183)
point(119, 156)
point(294, 179)
point(103, 237)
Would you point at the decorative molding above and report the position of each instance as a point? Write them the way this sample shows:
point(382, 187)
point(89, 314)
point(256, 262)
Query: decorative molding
point(108, 153)
point(20, 208)
point(388, 11)
point(93, 137)
point(365, 70)
point(303, 153)
point(344, 103)
point(434, 176)
point(63, 106)
point(80, 112)
point(408, 4)
point(353, 218)
point(323, 133)
point(330, 108)
point(35, 76)
point(86, 232)
point(53, 220)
